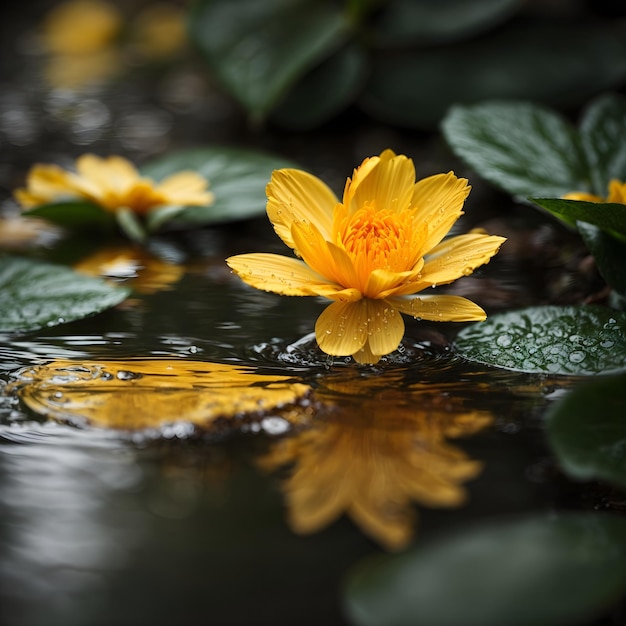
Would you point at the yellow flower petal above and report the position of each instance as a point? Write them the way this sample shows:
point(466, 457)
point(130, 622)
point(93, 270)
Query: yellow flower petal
point(385, 327)
point(188, 188)
point(442, 308)
point(45, 183)
point(438, 202)
point(297, 196)
point(341, 329)
point(384, 283)
point(459, 256)
point(390, 184)
point(617, 192)
point(276, 273)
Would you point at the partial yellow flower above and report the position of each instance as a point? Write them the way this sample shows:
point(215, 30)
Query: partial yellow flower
point(113, 183)
point(79, 27)
point(616, 194)
point(370, 253)
point(371, 453)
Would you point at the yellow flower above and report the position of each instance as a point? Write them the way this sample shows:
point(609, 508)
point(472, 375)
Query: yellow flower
point(113, 183)
point(617, 194)
point(370, 253)
point(372, 451)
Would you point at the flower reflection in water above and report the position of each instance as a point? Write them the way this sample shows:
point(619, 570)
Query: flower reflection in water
point(134, 266)
point(373, 451)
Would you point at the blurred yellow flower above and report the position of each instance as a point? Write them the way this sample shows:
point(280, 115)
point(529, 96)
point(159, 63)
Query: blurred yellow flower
point(159, 30)
point(616, 194)
point(371, 453)
point(113, 183)
point(79, 27)
point(370, 253)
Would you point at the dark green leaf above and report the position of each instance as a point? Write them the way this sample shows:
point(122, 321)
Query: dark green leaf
point(403, 22)
point(560, 569)
point(549, 339)
point(608, 216)
point(555, 63)
point(258, 50)
point(609, 254)
point(587, 430)
point(75, 215)
point(237, 178)
point(603, 134)
point(338, 78)
point(520, 147)
point(39, 295)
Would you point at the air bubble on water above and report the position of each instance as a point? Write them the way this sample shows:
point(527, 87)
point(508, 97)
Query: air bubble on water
point(607, 343)
point(274, 425)
point(126, 375)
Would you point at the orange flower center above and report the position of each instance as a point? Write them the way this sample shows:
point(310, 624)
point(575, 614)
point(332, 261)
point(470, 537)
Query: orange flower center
point(379, 239)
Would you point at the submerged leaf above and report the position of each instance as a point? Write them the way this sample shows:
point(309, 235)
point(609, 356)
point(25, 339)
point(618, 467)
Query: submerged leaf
point(540, 570)
point(549, 339)
point(151, 393)
point(39, 295)
point(587, 430)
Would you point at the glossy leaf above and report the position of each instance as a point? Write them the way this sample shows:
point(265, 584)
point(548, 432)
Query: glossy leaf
point(608, 253)
point(237, 178)
point(549, 339)
point(404, 22)
point(108, 393)
point(603, 134)
point(608, 216)
point(587, 430)
point(39, 295)
point(258, 50)
point(555, 63)
point(539, 570)
point(522, 148)
point(130, 225)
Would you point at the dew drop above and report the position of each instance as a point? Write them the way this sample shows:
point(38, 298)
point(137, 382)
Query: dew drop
point(126, 375)
point(577, 356)
point(504, 341)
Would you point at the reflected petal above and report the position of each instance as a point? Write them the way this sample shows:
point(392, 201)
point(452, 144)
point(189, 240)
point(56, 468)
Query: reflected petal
point(151, 393)
point(372, 450)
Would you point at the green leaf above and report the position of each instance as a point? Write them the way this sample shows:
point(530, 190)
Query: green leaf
point(39, 295)
point(609, 254)
point(587, 430)
point(555, 63)
point(74, 215)
point(339, 78)
point(603, 134)
point(549, 339)
point(522, 148)
point(540, 570)
point(130, 225)
point(258, 50)
point(609, 216)
point(431, 21)
point(236, 177)
point(161, 215)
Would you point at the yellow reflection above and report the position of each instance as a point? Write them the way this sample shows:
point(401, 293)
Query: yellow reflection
point(151, 393)
point(374, 450)
point(133, 266)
